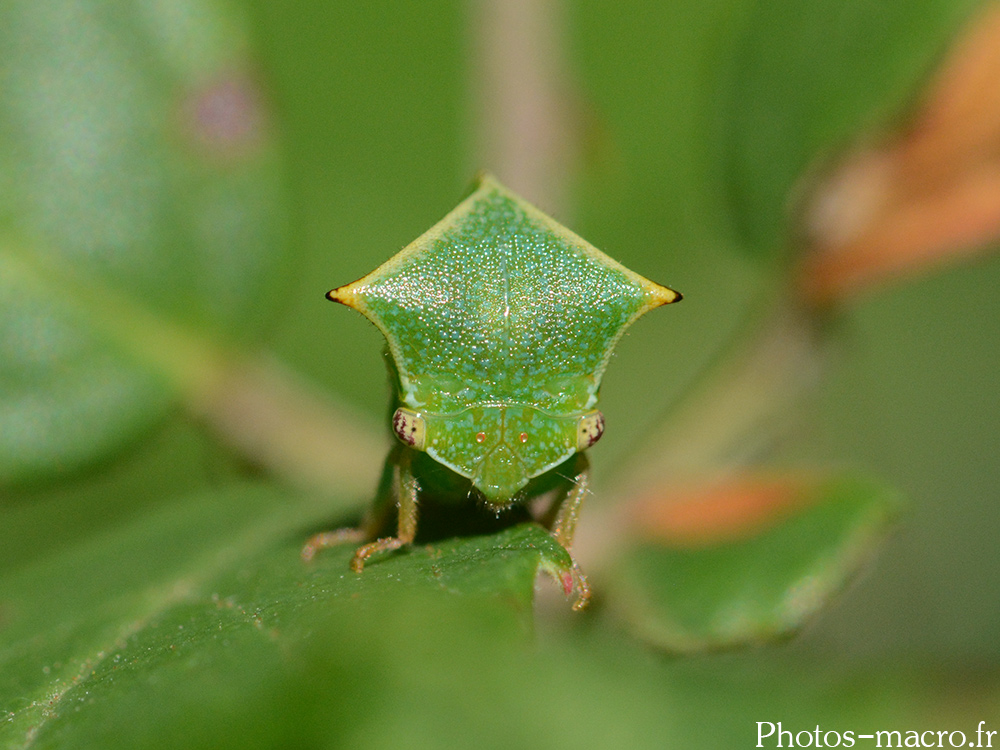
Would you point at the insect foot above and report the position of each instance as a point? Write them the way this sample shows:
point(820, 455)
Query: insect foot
point(330, 539)
point(577, 582)
point(385, 544)
point(570, 578)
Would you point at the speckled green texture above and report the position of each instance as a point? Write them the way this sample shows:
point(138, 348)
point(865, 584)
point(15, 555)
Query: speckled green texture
point(501, 323)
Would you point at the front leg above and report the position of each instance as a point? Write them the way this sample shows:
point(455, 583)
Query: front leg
point(406, 489)
point(398, 487)
point(564, 528)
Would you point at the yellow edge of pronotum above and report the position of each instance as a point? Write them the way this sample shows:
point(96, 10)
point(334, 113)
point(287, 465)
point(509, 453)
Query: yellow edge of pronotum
point(662, 295)
point(347, 295)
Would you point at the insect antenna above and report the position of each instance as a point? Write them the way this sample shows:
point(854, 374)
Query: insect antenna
point(573, 481)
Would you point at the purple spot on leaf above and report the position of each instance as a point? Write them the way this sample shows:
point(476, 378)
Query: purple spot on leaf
point(227, 116)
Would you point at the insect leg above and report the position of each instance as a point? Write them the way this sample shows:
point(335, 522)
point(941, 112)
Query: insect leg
point(371, 524)
point(331, 539)
point(407, 489)
point(564, 525)
point(564, 528)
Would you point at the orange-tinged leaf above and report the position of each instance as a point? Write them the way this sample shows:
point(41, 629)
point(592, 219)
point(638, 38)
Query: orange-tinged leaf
point(761, 587)
point(719, 512)
point(926, 196)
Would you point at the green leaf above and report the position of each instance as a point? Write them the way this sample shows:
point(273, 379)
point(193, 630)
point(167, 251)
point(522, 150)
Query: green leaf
point(693, 598)
point(808, 79)
point(206, 604)
point(137, 182)
point(198, 626)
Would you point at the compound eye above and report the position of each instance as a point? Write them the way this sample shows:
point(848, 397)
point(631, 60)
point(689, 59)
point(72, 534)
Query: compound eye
point(589, 429)
point(410, 428)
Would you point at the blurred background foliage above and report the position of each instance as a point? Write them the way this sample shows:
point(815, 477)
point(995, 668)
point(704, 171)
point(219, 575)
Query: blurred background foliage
point(182, 182)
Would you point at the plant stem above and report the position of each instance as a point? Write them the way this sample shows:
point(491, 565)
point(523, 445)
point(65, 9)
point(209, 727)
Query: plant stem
point(269, 414)
point(522, 122)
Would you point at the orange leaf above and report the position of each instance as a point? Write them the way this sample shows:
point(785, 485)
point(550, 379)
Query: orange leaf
point(928, 195)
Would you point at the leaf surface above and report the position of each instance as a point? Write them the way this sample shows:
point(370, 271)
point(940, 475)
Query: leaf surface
point(138, 184)
point(206, 603)
point(695, 597)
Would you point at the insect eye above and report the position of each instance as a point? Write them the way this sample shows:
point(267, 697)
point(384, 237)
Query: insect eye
point(589, 429)
point(409, 428)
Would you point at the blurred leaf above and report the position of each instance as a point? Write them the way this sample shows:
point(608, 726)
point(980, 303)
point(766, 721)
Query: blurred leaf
point(922, 196)
point(134, 160)
point(691, 597)
point(805, 79)
point(206, 603)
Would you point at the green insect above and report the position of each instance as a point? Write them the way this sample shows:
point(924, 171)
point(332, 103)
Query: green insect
point(500, 323)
